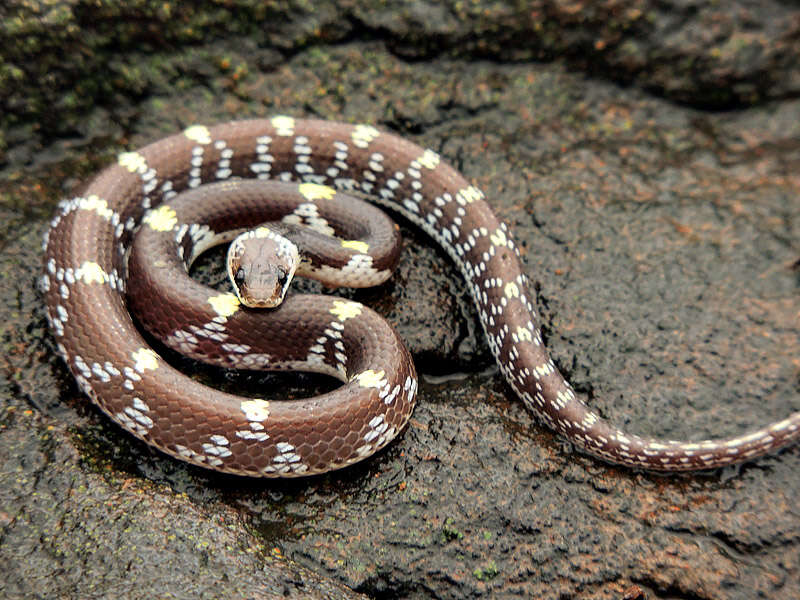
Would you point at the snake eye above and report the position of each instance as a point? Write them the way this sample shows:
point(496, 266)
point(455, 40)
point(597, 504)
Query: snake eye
point(238, 278)
point(282, 276)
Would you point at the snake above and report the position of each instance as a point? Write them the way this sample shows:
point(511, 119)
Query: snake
point(88, 259)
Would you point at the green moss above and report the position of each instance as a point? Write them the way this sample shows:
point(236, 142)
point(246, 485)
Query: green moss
point(450, 533)
point(489, 571)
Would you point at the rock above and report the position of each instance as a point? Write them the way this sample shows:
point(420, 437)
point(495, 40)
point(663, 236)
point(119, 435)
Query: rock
point(661, 240)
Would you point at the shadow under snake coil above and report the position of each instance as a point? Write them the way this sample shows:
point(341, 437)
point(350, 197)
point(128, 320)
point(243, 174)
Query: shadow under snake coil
point(85, 282)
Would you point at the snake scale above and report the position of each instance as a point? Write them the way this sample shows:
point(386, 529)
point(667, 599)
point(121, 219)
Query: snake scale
point(85, 279)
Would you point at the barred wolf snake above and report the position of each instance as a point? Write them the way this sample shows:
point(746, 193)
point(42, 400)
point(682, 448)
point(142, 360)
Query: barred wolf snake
point(86, 275)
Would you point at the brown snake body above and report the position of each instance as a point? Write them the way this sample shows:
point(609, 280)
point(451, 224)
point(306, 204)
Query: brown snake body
point(85, 277)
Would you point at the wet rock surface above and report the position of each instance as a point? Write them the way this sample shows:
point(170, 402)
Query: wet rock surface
point(704, 54)
point(662, 240)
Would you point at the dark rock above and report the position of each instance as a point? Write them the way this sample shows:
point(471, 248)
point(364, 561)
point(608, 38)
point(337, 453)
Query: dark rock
point(662, 241)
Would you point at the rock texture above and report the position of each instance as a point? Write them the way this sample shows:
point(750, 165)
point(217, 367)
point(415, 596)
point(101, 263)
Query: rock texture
point(662, 238)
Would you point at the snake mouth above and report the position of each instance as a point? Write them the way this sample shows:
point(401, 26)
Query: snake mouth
point(264, 287)
point(260, 298)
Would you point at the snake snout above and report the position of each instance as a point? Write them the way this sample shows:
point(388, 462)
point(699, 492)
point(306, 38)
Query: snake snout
point(263, 287)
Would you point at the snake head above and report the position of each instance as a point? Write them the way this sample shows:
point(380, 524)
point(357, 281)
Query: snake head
point(261, 264)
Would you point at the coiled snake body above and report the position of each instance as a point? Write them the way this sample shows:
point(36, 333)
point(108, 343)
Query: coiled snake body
point(85, 277)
